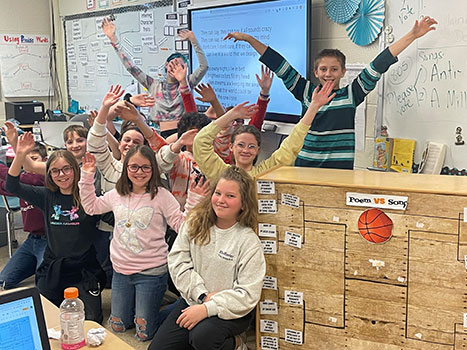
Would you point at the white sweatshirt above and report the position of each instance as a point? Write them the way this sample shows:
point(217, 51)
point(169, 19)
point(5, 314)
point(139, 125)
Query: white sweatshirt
point(232, 265)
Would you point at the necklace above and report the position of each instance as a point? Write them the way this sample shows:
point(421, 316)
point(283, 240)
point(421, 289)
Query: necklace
point(130, 213)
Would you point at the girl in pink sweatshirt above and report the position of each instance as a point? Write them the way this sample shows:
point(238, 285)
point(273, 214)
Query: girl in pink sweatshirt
point(142, 208)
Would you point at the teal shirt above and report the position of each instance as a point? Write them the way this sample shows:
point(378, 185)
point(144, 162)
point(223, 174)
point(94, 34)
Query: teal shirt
point(330, 142)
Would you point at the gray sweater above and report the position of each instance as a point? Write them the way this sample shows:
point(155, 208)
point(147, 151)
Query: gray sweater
point(232, 265)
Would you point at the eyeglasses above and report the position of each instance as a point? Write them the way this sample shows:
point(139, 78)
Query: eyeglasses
point(251, 146)
point(133, 168)
point(66, 170)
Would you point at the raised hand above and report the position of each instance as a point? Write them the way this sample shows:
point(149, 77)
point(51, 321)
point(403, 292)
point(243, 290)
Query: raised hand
point(108, 27)
point(207, 93)
point(186, 139)
point(127, 111)
point(236, 36)
point(243, 111)
point(92, 117)
point(89, 163)
point(143, 100)
point(177, 70)
point(112, 96)
point(25, 144)
point(186, 34)
point(202, 187)
point(425, 25)
point(322, 96)
point(265, 81)
point(11, 133)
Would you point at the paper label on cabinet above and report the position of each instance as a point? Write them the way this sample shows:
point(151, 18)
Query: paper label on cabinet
point(265, 187)
point(267, 206)
point(267, 230)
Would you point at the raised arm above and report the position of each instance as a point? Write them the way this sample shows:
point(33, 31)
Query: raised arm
point(255, 43)
point(420, 28)
point(289, 148)
point(111, 97)
point(11, 133)
point(209, 162)
point(199, 73)
point(33, 194)
point(208, 95)
point(109, 29)
point(264, 82)
point(24, 146)
point(91, 203)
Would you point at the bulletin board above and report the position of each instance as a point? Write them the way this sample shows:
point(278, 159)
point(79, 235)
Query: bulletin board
point(425, 93)
point(146, 32)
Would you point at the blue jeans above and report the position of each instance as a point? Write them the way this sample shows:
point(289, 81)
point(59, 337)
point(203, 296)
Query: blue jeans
point(135, 301)
point(24, 261)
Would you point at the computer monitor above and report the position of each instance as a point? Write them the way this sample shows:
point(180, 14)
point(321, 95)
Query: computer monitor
point(22, 323)
point(282, 24)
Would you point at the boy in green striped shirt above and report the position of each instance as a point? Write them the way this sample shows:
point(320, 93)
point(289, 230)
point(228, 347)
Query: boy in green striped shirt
point(330, 142)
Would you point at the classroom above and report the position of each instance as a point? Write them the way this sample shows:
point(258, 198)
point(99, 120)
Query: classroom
point(315, 232)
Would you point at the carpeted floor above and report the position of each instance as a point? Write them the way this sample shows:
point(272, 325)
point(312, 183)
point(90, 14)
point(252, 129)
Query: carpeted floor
point(129, 335)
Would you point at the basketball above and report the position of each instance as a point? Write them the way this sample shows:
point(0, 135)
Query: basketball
point(375, 226)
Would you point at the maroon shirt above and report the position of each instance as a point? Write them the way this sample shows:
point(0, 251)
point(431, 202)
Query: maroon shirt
point(33, 219)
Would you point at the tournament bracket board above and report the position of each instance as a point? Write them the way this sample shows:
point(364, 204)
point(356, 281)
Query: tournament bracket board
point(327, 287)
point(93, 64)
point(425, 93)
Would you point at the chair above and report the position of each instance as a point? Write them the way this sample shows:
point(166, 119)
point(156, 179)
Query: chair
point(11, 205)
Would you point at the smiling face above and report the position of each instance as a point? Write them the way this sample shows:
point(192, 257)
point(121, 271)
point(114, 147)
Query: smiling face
point(129, 139)
point(76, 145)
point(329, 69)
point(226, 202)
point(142, 175)
point(245, 149)
point(62, 175)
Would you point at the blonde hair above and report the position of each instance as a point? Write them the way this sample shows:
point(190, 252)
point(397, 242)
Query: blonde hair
point(202, 217)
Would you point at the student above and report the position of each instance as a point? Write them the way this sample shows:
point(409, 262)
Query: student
point(330, 143)
point(217, 264)
point(110, 167)
point(70, 256)
point(168, 100)
point(222, 141)
point(27, 258)
point(142, 209)
point(246, 140)
point(178, 156)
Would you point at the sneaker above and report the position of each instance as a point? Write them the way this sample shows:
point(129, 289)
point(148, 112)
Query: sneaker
point(240, 342)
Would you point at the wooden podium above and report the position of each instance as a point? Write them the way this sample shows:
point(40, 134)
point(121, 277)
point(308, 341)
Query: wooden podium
point(326, 287)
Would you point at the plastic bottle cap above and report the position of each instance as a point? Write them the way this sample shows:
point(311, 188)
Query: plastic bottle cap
point(71, 293)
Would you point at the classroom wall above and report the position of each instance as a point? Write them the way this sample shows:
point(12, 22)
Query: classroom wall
point(28, 17)
point(325, 34)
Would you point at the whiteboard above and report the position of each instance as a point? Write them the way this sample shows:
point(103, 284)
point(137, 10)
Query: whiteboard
point(93, 64)
point(425, 93)
point(24, 65)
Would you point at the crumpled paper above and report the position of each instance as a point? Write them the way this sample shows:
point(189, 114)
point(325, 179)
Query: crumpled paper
point(96, 336)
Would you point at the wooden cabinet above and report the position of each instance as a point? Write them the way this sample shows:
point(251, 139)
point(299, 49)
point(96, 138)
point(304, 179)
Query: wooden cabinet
point(340, 291)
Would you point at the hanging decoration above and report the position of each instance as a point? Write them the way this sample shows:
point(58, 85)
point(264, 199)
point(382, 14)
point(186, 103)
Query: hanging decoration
point(367, 23)
point(341, 11)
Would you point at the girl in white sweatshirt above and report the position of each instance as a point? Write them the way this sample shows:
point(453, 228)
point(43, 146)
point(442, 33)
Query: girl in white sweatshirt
point(217, 264)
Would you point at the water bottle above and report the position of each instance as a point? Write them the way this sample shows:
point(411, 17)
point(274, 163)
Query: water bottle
point(36, 131)
point(72, 320)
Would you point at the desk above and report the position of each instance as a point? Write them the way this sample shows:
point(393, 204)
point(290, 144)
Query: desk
point(52, 320)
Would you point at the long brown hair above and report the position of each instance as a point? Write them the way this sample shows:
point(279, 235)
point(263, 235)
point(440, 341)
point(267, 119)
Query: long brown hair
point(71, 160)
point(124, 185)
point(202, 217)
